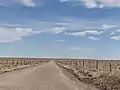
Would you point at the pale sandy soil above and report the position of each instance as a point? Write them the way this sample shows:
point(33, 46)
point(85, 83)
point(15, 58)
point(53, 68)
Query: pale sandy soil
point(43, 77)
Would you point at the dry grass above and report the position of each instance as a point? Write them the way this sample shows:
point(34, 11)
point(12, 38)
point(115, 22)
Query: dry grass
point(105, 75)
point(7, 65)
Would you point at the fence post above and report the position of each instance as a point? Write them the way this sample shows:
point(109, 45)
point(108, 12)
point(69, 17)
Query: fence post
point(89, 63)
point(76, 62)
point(6, 62)
point(83, 62)
point(24, 62)
point(21, 62)
point(79, 62)
point(97, 64)
point(16, 62)
point(12, 62)
point(110, 66)
point(70, 62)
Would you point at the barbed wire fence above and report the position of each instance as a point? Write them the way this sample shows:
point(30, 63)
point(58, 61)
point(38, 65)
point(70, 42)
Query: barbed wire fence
point(98, 65)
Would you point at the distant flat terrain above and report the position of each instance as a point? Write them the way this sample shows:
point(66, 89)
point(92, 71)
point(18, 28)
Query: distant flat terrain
point(48, 76)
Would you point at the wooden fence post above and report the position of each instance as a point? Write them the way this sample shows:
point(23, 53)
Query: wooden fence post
point(12, 62)
point(110, 66)
point(6, 62)
point(97, 64)
point(24, 62)
point(21, 62)
point(76, 62)
point(89, 63)
point(79, 62)
point(83, 63)
point(17, 63)
point(70, 62)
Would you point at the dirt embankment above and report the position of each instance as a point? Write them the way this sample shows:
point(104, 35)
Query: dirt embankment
point(103, 81)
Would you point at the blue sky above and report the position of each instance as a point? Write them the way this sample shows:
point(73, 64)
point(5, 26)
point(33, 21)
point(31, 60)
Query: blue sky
point(60, 28)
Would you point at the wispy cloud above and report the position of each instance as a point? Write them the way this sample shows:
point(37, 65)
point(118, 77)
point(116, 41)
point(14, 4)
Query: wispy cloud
point(115, 38)
point(71, 27)
point(101, 3)
point(89, 3)
point(57, 30)
point(86, 3)
point(97, 3)
point(107, 26)
point(84, 33)
point(93, 38)
point(29, 3)
point(76, 33)
point(94, 32)
point(9, 35)
point(109, 3)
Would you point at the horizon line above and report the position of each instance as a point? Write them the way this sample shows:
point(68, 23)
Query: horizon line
point(27, 57)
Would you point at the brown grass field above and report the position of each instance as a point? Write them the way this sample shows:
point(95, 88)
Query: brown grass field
point(103, 74)
point(10, 64)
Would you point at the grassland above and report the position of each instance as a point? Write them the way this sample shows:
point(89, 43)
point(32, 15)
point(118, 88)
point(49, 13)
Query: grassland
point(10, 64)
point(103, 74)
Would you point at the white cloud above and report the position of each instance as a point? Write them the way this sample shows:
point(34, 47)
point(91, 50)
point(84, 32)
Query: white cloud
point(76, 33)
point(106, 26)
point(84, 33)
point(110, 3)
point(29, 3)
point(98, 3)
point(102, 3)
point(93, 32)
point(93, 38)
point(76, 25)
point(9, 35)
point(89, 3)
point(57, 30)
point(115, 38)
point(70, 27)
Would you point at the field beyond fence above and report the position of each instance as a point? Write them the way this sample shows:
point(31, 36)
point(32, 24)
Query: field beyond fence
point(9, 64)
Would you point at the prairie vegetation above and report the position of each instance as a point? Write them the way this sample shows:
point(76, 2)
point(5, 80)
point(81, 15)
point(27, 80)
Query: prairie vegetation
point(105, 75)
point(7, 65)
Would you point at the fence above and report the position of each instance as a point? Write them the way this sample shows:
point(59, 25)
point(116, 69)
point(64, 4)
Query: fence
point(100, 65)
point(21, 62)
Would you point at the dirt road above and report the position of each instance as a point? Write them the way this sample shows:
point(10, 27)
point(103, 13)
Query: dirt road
point(44, 77)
